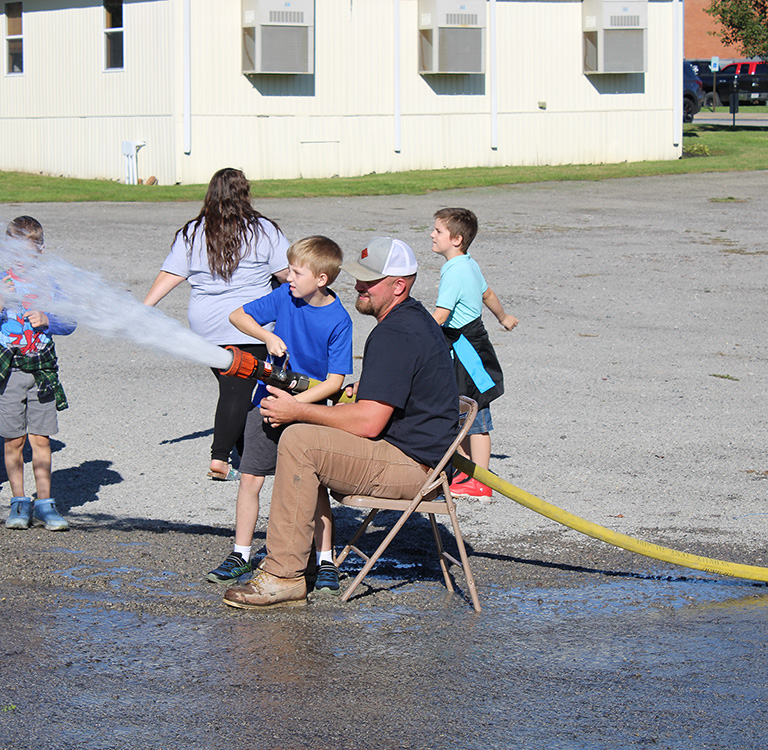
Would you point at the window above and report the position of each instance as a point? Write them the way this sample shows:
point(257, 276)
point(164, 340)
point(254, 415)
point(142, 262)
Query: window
point(14, 40)
point(113, 34)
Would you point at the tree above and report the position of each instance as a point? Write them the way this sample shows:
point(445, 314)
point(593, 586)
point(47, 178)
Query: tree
point(744, 24)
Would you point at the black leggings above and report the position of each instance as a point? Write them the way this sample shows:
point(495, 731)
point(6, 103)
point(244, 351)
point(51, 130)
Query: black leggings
point(233, 407)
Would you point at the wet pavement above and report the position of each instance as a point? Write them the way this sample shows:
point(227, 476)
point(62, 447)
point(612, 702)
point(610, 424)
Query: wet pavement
point(112, 639)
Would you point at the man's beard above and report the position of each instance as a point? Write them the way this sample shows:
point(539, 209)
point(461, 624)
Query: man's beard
point(364, 306)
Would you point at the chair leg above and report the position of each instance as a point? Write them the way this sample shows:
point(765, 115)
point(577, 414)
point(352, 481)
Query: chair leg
point(380, 550)
point(463, 553)
point(440, 552)
point(351, 545)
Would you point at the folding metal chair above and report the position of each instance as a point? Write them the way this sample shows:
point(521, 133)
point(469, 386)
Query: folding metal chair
point(427, 500)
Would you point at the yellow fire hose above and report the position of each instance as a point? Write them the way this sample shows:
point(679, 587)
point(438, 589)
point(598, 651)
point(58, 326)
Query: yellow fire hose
point(245, 365)
point(684, 559)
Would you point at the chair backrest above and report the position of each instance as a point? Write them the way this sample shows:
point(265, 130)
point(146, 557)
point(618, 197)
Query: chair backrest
point(467, 414)
point(435, 479)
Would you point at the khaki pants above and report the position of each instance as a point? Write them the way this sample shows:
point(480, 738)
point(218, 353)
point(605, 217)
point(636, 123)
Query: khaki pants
point(310, 457)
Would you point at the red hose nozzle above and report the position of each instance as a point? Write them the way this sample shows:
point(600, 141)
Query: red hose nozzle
point(245, 365)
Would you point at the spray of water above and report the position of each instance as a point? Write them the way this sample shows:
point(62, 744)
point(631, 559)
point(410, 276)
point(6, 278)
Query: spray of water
point(71, 293)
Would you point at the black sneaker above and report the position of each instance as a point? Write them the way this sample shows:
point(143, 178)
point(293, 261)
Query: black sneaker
point(230, 570)
point(327, 579)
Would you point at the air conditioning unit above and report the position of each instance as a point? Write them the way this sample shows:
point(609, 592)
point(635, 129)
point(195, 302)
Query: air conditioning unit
point(452, 36)
point(615, 36)
point(278, 36)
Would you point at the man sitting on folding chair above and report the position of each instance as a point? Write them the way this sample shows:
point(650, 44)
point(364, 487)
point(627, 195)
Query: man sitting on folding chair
point(402, 423)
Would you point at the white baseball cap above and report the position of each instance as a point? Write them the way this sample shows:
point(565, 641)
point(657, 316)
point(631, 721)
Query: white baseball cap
point(382, 256)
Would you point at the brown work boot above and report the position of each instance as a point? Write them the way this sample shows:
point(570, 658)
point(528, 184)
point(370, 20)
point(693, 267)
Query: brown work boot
point(265, 590)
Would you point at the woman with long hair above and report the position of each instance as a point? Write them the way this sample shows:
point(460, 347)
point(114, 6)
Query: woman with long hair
point(230, 254)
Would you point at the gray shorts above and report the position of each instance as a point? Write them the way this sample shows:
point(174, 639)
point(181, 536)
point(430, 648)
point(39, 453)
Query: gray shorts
point(21, 410)
point(259, 446)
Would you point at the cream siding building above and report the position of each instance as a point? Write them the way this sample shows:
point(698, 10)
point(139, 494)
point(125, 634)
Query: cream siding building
point(176, 85)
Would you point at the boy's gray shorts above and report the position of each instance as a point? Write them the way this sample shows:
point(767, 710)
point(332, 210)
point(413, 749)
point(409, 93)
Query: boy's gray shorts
point(21, 411)
point(259, 446)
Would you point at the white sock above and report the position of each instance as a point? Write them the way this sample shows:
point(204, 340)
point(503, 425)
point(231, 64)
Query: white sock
point(245, 552)
point(324, 556)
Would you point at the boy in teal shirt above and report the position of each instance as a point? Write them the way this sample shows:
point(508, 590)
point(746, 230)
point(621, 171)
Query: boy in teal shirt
point(459, 308)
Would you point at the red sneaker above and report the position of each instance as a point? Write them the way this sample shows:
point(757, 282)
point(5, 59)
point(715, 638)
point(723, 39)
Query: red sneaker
point(472, 488)
point(460, 480)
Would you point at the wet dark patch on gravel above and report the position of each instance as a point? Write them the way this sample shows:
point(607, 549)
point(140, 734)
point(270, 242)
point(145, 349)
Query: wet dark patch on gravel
point(113, 639)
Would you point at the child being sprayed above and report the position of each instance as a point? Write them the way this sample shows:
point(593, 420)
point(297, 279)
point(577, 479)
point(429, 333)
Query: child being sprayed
point(30, 390)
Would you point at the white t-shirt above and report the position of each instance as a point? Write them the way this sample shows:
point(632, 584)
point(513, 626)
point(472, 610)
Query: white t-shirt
point(213, 299)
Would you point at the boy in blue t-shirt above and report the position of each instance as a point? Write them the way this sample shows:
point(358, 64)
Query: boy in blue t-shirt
point(459, 308)
point(313, 333)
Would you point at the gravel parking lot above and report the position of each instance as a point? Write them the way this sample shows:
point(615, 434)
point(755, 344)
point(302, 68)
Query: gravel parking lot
point(635, 397)
point(635, 381)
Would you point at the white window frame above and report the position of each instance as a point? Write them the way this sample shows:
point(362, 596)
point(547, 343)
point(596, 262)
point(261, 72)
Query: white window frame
point(11, 38)
point(112, 33)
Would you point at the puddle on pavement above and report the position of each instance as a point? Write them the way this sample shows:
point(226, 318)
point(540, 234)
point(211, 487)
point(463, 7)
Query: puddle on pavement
point(631, 661)
point(164, 583)
point(623, 595)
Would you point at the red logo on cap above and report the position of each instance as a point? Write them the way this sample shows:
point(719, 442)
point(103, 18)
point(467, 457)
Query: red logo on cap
point(364, 254)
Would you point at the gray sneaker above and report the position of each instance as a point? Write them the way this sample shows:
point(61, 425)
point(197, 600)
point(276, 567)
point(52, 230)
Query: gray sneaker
point(46, 514)
point(327, 579)
point(231, 569)
point(21, 513)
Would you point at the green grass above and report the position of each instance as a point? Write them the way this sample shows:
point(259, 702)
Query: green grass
point(717, 148)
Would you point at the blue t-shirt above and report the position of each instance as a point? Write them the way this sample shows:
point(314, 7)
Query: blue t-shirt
point(319, 339)
point(461, 290)
point(16, 332)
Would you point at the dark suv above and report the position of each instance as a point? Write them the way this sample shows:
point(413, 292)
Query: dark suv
point(693, 94)
point(750, 79)
point(701, 67)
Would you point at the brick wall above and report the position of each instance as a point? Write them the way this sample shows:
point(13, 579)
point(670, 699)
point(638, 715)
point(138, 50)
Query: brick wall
point(699, 43)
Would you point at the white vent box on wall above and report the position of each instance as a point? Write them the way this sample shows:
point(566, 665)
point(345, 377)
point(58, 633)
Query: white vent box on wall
point(452, 36)
point(615, 36)
point(278, 36)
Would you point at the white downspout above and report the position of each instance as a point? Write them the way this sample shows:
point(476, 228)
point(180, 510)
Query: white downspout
point(396, 73)
point(187, 77)
point(677, 55)
point(494, 80)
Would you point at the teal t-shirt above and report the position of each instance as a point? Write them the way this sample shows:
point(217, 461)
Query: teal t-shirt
point(461, 290)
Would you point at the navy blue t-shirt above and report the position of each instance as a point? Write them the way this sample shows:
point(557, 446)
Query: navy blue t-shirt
point(407, 364)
